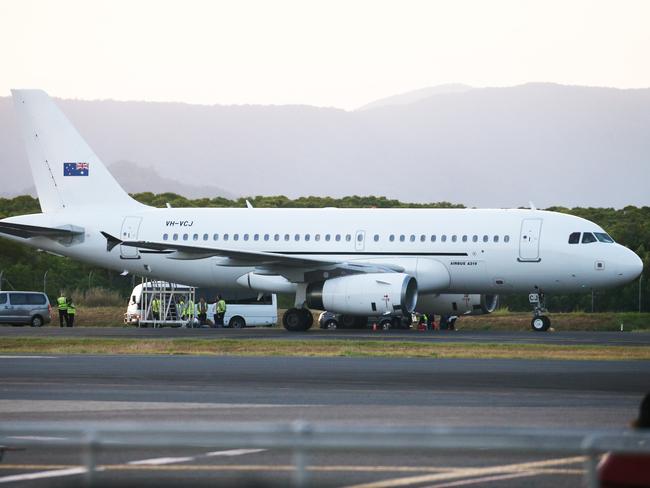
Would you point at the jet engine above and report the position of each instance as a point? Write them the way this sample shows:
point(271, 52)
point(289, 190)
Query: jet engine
point(365, 294)
point(457, 304)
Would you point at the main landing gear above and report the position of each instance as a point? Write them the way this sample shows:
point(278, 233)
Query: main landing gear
point(540, 322)
point(297, 319)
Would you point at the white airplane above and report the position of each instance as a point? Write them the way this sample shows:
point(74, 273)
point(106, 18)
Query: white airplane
point(359, 262)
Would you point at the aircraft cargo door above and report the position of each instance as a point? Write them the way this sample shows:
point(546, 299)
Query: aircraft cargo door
point(529, 240)
point(130, 228)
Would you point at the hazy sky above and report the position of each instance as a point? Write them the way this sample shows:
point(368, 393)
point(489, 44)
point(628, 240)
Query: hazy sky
point(327, 53)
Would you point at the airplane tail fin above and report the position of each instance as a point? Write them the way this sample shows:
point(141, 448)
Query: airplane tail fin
point(66, 171)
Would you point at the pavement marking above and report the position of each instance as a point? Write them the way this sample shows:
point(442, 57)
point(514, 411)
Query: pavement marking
point(233, 452)
point(37, 438)
point(485, 479)
point(28, 357)
point(469, 472)
point(162, 460)
point(43, 474)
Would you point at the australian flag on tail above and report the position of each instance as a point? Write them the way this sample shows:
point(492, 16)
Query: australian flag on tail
point(75, 169)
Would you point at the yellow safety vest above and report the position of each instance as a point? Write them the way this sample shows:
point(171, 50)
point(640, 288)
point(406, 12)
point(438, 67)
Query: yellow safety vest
point(221, 306)
point(155, 305)
point(189, 310)
point(71, 309)
point(62, 302)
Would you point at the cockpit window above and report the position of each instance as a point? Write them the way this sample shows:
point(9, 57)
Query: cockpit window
point(602, 237)
point(574, 238)
point(588, 237)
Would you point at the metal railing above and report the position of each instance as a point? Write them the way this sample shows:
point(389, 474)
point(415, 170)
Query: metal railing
point(303, 439)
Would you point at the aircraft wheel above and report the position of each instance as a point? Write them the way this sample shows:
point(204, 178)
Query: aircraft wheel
point(347, 321)
point(541, 323)
point(296, 320)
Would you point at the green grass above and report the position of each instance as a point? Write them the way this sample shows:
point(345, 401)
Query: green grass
point(325, 348)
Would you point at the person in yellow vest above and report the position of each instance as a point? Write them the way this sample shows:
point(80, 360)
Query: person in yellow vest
point(62, 303)
point(155, 308)
point(189, 312)
point(221, 312)
point(72, 311)
point(202, 312)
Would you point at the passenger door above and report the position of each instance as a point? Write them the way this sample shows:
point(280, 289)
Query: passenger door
point(20, 307)
point(129, 232)
point(6, 310)
point(529, 240)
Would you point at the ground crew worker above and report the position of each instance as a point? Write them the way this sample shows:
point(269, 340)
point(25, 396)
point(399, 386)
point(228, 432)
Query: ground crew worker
point(72, 310)
point(180, 308)
point(155, 308)
point(202, 311)
point(221, 311)
point(62, 303)
point(189, 312)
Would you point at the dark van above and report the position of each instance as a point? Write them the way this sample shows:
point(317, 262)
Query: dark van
point(24, 307)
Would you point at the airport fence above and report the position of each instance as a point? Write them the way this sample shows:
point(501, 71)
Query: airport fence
point(304, 439)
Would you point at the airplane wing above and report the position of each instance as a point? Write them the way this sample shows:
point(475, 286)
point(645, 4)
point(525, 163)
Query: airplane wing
point(27, 231)
point(260, 259)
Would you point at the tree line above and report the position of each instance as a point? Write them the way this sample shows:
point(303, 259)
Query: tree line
point(24, 268)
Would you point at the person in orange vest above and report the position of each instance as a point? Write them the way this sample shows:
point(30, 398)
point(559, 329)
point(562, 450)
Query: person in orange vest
point(629, 470)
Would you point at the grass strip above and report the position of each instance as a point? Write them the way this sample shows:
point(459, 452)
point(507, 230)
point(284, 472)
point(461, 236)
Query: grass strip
point(249, 347)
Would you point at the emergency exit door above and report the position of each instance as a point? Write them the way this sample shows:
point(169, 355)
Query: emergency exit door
point(129, 232)
point(529, 240)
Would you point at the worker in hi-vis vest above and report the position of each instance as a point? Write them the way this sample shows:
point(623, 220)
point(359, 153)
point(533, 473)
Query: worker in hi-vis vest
point(62, 303)
point(221, 312)
point(155, 308)
point(189, 312)
point(72, 311)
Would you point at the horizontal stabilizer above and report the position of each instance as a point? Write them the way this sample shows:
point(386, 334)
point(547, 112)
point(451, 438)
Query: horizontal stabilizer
point(27, 231)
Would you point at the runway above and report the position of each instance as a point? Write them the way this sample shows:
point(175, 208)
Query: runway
point(275, 333)
point(341, 391)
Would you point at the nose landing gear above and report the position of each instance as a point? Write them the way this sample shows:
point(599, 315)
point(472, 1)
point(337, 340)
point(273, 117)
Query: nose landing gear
point(540, 322)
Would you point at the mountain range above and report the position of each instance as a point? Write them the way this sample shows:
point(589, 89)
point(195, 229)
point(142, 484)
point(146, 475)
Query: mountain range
point(488, 147)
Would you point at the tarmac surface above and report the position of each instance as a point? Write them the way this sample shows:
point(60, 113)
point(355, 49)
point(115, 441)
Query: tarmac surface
point(554, 395)
point(276, 333)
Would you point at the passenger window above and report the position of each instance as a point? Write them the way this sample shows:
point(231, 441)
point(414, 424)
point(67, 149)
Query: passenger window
point(402, 238)
point(423, 238)
point(454, 238)
point(392, 238)
point(245, 237)
point(175, 237)
point(359, 237)
point(286, 237)
point(588, 238)
point(464, 238)
point(327, 237)
point(296, 237)
point(412, 238)
point(276, 237)
point(205, 237)
point(266, 237)
point(235, 237)
point(215, 237)
point(376, 237)
point(256, 237)
point(36, 299)
point(18, 298)
point(485, 238)
point(338, 237)
point(185, 236)
point(165, 237)
point(443, 238)
point(574, 238)
point(348, 237)
point(307, 237)
point(317, 237)
point(225, 237)
point(195, 237)
point(475, 238)
point(495, 238)
point(433, 238)
point(506, 238)
point(3, 298)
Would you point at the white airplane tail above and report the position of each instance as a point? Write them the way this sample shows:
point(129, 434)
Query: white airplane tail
point(66, 171)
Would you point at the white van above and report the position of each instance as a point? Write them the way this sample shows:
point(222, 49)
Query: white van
point(242, 309)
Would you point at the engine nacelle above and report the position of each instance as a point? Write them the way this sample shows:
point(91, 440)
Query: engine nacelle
point(457, 304)
point(365, 294)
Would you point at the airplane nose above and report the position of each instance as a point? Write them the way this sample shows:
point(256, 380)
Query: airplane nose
point(631, 266)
